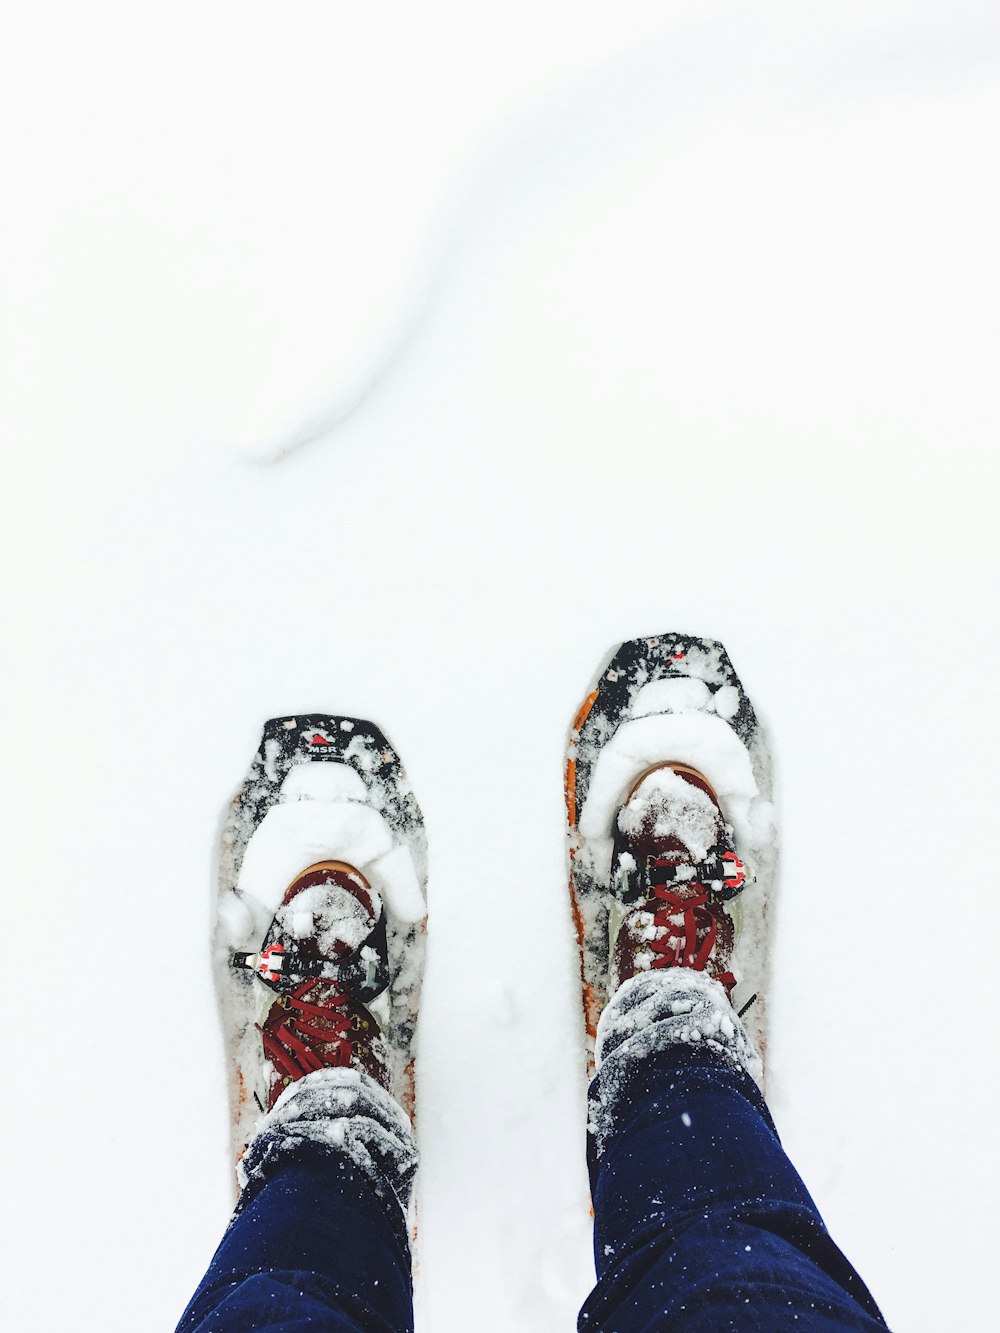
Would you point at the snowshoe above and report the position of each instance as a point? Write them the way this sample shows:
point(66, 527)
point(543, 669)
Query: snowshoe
point(321, 920)
point(672, 843)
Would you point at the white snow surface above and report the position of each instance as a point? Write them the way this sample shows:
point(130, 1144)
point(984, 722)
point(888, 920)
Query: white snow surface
point(602, 321)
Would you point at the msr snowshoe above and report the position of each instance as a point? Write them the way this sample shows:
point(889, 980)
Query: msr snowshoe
point(321, 921)
point(671, 825)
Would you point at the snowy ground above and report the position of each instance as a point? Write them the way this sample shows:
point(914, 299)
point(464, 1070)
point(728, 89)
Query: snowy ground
point(606, 321)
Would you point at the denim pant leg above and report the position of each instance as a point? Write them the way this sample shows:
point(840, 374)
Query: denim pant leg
point(701, 1221)
point(314, 1248)
point(319, 1240)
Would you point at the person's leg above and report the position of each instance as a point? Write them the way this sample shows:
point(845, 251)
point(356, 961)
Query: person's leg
point(319, 1240)
point(701, 1221)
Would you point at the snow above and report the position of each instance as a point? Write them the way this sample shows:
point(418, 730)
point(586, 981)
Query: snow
point(332, 915)
point(323, 781)
point(676, 696)
point(667, 804)
point(707, 743)
point(564, 324)
point(296, 835)
point(395, 875)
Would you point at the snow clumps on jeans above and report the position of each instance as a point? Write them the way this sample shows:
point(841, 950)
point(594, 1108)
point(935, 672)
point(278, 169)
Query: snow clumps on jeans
point(339, 1112)
point(654, 1011)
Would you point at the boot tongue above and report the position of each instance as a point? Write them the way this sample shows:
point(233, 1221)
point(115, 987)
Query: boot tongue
point(671, 814)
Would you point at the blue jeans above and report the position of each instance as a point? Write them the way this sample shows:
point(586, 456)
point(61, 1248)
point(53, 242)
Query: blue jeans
point(701, 1223)
point(700, 1220)
point(313, 1247)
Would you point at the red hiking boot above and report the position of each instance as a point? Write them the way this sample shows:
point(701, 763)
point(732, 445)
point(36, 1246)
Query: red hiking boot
point(672, 861)
point(325, 957)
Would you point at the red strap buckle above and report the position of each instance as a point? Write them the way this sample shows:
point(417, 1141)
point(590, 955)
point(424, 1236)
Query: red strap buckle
point(735, 873)
point(270, 962)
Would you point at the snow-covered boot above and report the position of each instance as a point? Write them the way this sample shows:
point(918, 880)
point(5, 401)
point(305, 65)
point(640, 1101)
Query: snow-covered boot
point(321, 925)
point(325, 958)
point(671, 834)
point(674, 868)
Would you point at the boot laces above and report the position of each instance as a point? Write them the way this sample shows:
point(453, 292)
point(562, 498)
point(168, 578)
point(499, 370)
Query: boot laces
point(685, 930)
point(312, 1035)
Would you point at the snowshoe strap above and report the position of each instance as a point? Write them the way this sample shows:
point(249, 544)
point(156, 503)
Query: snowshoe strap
point(722, 872)
point(282, 962)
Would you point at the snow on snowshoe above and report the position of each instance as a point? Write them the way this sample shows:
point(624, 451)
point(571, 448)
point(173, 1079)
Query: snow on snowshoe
point(321, 920)
point(672, 844)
